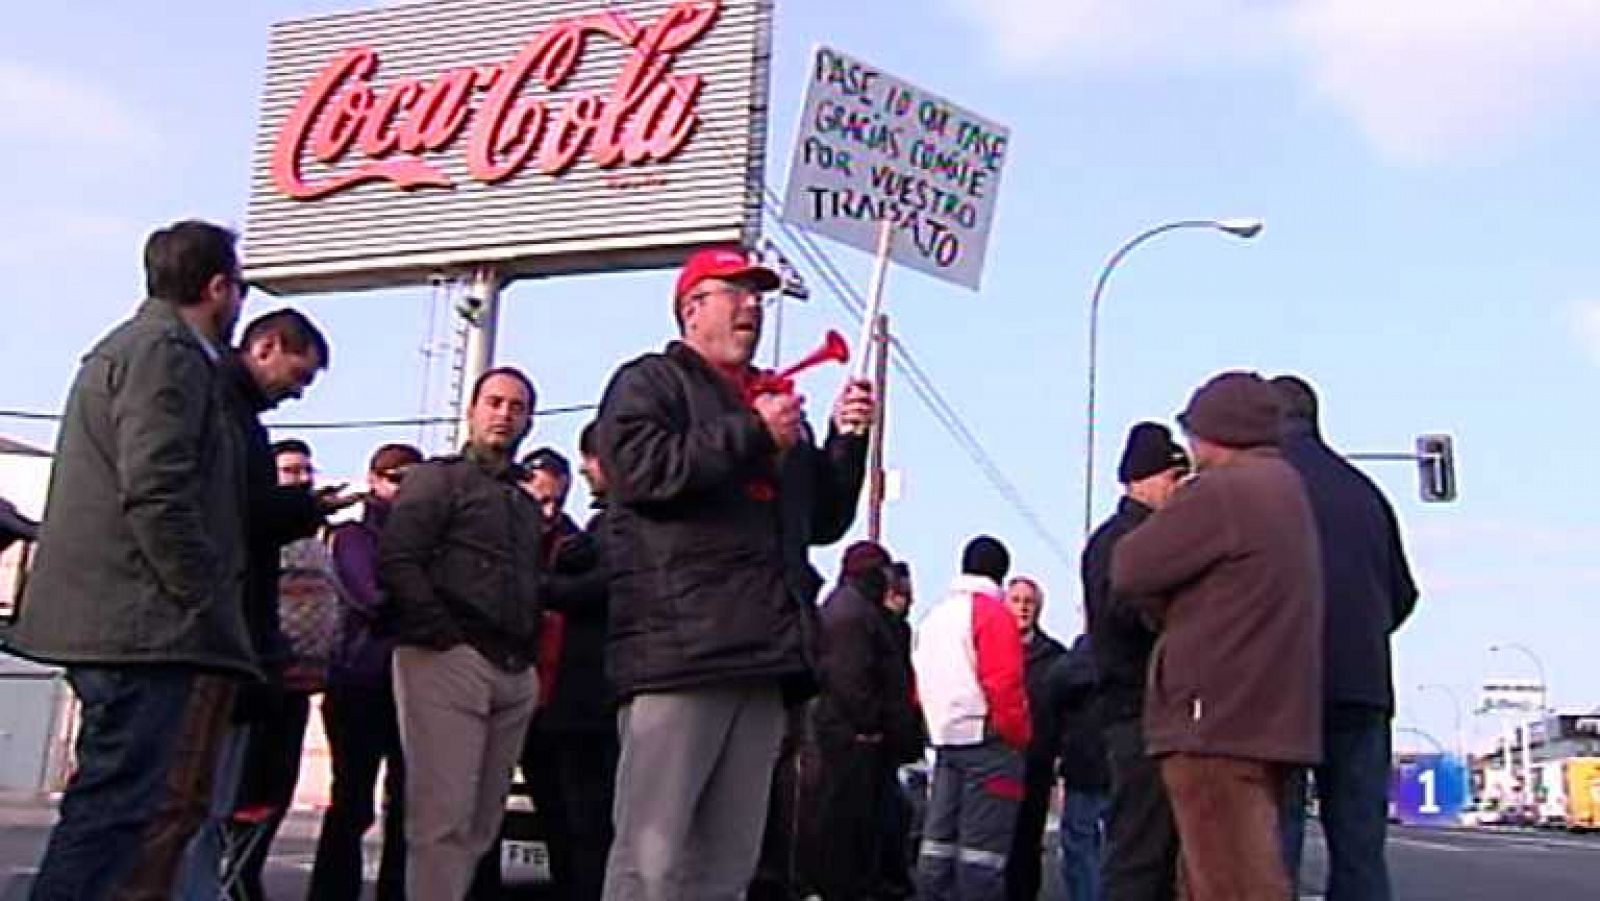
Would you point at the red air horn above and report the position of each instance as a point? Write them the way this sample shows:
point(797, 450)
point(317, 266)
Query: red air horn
point(833, 350)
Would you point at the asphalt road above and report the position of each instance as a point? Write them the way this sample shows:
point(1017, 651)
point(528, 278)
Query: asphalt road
point(1426, 864)
point(1474, 865)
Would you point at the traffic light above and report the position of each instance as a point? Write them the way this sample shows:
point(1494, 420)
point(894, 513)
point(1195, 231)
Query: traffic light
point(1436, 468)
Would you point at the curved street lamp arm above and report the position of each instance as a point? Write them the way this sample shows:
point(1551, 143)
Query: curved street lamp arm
point(1094, 339)
point(1135, 241)
point(1538, 664)
point(1455, 701)
point(1413, 730)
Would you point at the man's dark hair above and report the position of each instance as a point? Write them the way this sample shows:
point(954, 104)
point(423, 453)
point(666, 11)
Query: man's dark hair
point(392, 457)
point(588, 438)
point(295, 332)
point(900, 577)
point(1297, 397)
point(182, 258)
point(291, 446)
point(986, 556)
point(512, 372)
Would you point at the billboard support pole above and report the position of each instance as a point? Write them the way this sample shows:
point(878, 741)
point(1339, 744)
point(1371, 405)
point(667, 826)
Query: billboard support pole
point(1527, 765)
point(875, 449)
point(480, 310)
point(869, 322)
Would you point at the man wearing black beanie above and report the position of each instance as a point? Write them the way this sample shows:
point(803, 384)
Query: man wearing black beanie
point(1141, 852)
point(1230, 572)
point(968, 658)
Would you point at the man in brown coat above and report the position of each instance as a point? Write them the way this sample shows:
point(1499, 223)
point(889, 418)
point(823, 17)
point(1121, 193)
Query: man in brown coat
point(1230, 573)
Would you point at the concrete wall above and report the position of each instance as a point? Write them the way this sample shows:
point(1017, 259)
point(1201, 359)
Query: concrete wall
point(24, 480)
point(36, 710)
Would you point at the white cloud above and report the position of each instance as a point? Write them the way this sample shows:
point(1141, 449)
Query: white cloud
point(42, 106)
point(1586, 326)
point(1423, 80)
point(1433, 79)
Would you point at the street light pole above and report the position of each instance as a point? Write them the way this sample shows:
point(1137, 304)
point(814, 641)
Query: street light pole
point(1413, 730)
point(1527, 728)
point(1538, 664)
point(1239, 228)
point(1455, 700)
point(479, 310)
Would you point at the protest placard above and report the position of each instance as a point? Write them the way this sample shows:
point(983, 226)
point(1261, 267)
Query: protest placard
point(872, 147)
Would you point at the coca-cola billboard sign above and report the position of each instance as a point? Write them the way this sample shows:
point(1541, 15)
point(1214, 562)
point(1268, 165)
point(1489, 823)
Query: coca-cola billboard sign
point(646, 116)
point(622, 126)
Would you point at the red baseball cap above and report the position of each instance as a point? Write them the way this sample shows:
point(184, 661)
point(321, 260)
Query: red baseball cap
point(729, 262)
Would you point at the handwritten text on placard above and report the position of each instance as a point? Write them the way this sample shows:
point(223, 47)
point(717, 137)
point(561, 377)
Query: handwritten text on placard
point(872, 147)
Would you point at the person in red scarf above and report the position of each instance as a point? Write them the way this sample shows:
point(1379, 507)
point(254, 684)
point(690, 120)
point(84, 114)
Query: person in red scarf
point(715, 496)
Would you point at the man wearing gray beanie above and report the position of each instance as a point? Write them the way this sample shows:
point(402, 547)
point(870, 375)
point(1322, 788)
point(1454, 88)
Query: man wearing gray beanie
point(1230, 572)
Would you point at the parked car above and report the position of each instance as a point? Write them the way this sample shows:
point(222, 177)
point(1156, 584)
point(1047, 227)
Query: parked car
point(1482, 813)
point(1525, 816)
point(523, 848)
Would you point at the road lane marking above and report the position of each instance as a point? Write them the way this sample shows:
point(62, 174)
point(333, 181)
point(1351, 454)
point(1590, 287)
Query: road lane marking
point(1426, 845)
point(1507, 840)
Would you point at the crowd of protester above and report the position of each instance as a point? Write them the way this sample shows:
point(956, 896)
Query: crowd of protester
point(697, 713)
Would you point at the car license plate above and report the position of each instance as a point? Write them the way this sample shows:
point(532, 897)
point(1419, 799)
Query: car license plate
point(523, 861)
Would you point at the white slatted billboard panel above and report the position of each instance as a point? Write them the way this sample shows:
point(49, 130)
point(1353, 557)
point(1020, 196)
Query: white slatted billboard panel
point(539, 136)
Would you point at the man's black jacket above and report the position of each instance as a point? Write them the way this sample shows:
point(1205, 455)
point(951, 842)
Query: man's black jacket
point(460, 559)
point(709, 529)
point(866, 691)
point(1042, 652)
point(1367, 586)
point(1121, 640)
point(582, 700)
point(1080, 732)
point(275, 515)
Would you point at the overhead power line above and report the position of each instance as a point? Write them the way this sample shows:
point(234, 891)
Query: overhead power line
point(922, 384)
point(405, 422)
point(845, 293)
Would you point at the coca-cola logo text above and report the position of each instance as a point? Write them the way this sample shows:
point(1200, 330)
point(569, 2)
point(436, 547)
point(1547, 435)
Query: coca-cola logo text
point(646, 116)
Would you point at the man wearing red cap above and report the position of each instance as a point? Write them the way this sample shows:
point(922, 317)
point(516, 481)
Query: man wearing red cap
point(714, 500)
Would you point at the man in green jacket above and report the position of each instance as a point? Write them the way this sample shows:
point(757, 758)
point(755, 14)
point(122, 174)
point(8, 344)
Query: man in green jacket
point(136, 588)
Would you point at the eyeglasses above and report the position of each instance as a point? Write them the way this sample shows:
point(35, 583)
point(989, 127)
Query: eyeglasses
point(738, 294)
point(392, 476)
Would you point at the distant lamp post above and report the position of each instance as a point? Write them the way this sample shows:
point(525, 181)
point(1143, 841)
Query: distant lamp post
point(1527, 728)
point(1237, 227)
point(1538, 665)
point(1420, 733)
point(1455, 701)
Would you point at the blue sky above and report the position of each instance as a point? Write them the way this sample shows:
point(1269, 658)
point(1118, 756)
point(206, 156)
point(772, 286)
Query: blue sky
point(1427, 261)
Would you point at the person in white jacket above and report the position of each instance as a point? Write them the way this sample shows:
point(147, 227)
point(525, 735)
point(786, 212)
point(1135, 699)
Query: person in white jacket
point(968, 658)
